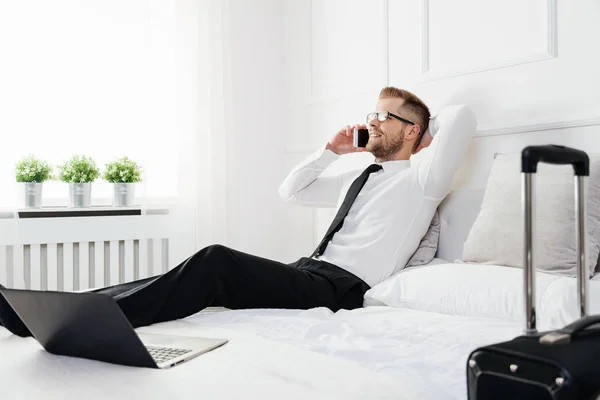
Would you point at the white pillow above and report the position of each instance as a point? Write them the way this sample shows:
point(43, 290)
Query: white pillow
point(428, 246)
point(496, 236)
point(479, 290)
point(458, 211)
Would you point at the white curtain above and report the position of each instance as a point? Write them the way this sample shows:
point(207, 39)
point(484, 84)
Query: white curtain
point(212, 126)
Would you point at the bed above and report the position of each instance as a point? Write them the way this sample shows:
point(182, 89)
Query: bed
point(410, 341)
point(379, 351)
point(374, 352)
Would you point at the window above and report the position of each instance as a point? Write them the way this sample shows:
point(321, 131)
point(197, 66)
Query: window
point(102, 78)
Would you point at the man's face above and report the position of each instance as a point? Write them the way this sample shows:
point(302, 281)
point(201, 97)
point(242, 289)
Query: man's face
point(386, 138)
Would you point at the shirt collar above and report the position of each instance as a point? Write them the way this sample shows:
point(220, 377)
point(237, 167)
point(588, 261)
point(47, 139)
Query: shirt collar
point(395, 166)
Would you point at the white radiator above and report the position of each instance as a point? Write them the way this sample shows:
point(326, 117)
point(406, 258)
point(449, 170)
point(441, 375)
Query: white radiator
point(78, 253)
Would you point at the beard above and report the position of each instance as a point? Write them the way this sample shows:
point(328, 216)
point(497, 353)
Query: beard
point(387, 145)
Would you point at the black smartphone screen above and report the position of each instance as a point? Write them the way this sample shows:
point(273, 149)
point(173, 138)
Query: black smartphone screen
point(363, 138)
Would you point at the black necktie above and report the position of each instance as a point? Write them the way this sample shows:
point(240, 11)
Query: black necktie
point(338, 221)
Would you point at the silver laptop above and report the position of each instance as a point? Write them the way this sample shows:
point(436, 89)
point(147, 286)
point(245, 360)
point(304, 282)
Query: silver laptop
point(92, 326)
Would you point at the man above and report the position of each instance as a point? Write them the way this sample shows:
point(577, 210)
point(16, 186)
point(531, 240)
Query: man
point(383, 212)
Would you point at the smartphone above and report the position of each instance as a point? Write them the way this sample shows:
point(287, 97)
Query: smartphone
point(361, 137)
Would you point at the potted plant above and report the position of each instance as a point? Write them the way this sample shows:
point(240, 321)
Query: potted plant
point(123, 173)
point(32, 173)
point(79, 172)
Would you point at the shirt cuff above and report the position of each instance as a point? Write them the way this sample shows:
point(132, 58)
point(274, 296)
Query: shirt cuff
point(324, 157)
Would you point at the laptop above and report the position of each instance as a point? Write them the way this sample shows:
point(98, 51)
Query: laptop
point(92, 326)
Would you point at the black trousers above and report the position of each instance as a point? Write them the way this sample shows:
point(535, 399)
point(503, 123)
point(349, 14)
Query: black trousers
point(220, 276)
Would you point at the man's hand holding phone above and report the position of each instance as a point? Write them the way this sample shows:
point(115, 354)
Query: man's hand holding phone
point(343, 141)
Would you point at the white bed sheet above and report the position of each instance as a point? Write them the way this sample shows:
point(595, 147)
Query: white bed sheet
point(374, 353)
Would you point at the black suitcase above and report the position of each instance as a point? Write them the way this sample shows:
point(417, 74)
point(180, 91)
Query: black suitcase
point(562, 364)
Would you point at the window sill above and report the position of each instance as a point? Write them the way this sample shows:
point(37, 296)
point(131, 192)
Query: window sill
point(94, 211)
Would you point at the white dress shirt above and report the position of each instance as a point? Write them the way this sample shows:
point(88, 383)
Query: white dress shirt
point(392, 211)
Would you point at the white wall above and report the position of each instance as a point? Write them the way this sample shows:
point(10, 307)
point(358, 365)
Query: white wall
point(247, 127)
point(256, 126)
point(528, 68)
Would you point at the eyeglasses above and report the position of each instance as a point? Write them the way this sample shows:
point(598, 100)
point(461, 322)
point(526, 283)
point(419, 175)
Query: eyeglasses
point(384, 116)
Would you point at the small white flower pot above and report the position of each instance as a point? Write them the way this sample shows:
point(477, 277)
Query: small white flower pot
point(80, 195)
point(32, 194)
point(124, 194)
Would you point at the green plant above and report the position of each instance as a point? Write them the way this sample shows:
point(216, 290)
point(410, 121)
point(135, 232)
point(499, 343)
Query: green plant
point(32, 169)
point(79, 169)
point(123, 170)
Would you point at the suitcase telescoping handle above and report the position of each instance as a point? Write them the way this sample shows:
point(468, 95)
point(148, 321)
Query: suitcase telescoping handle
point(553, 154)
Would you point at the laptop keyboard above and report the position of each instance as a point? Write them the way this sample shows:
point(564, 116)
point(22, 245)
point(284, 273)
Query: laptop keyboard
point(164, 354)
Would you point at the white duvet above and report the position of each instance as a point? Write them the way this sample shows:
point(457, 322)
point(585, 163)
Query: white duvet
point(369, 353)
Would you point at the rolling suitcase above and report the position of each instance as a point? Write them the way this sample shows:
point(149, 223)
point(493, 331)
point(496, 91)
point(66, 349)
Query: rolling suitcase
point(561, 364)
